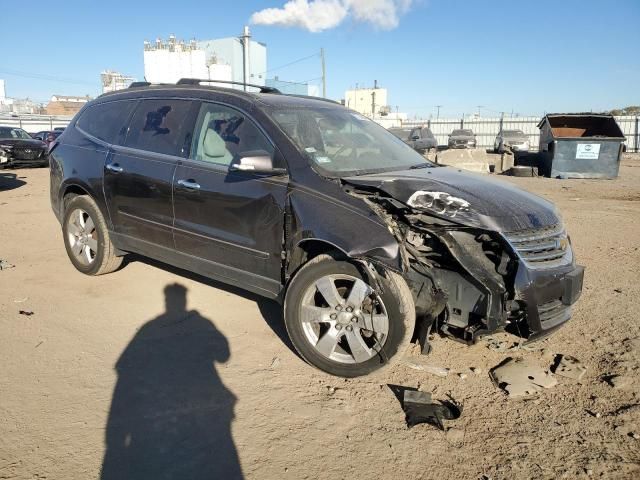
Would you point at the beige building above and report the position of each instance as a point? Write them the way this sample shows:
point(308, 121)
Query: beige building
point(66, 105)
point(371, 102)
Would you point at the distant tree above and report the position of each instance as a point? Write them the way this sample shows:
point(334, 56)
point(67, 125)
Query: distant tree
point(631, 110)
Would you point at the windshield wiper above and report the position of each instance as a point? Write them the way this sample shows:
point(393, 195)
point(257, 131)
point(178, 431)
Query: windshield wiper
point(420, 165)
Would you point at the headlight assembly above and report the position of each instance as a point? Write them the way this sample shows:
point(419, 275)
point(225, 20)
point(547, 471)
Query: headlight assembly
point(440, 203)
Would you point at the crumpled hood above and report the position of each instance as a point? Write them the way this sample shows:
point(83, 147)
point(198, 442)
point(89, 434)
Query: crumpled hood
point(496, 204)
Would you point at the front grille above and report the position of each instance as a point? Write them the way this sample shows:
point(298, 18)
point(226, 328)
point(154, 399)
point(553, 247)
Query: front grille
point(27, 153)
point(552, 313)
point(542, 247)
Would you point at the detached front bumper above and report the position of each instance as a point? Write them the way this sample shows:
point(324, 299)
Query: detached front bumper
point(546, 297)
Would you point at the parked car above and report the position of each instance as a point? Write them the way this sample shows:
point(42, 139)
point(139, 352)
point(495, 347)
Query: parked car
point(18, 148)
point(420, 139)
point(462, 138)
point(47, 136)
point(360, 238)
point(517, 140)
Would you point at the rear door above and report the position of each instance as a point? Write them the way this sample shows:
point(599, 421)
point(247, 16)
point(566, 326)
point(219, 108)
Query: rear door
point(230, 224)
point(138, 173)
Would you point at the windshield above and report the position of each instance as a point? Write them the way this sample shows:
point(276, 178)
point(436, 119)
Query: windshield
point(9, 132)
point(462, 133)
point(512, 133)
point(341, 142)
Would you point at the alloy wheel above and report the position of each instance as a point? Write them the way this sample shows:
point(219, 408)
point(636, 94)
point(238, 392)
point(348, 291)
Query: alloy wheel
point(344, 319)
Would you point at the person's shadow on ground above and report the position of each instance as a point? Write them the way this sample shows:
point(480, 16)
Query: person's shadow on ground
point(170, 414)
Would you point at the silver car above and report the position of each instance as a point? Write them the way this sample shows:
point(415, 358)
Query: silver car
point(517, 140)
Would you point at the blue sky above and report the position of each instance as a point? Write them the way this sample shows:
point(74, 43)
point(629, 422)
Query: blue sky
point(525, 56)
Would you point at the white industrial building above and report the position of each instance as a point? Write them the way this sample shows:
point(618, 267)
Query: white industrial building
point(224, 59)
point(112, 81)
point(230, 51)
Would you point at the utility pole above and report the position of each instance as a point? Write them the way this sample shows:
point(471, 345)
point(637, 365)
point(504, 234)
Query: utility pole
point(324, 74)
point(479, 107)
point(438, 114)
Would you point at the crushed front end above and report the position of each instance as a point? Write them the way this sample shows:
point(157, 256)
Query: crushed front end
point(471, 280)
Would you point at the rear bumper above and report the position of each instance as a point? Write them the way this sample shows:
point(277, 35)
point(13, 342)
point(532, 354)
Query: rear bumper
point(547, 297)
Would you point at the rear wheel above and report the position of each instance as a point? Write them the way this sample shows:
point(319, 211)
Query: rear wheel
point(86, 238)
point(340, 324)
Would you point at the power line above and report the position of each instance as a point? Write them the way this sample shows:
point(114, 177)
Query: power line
point(288, 64)
point(40, 76)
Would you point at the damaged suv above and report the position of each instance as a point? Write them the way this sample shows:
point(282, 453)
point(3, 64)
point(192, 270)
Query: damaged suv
point(364, 242)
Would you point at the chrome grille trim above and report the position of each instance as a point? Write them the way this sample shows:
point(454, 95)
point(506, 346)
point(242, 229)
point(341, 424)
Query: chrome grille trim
point(540, 248)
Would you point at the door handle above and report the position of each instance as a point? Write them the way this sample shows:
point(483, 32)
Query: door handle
point(189, 184)
point(114, 167)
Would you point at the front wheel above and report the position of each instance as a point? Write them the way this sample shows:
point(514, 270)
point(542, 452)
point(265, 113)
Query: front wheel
point(340, 324)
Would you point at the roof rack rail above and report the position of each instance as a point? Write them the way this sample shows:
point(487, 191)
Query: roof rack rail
point(198, 81)
point(139, 84)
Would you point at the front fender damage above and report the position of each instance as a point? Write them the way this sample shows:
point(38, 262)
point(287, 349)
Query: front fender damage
point(459, 276)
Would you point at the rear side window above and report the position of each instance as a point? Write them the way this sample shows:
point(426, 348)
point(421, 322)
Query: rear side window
point(158, 125)
point(106, 120)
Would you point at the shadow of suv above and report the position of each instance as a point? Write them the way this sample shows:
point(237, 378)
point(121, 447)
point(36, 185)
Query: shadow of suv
point(302, 200)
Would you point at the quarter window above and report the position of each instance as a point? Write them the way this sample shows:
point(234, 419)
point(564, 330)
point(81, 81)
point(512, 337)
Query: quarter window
point(158, 125)
point(106, 120)
point(222, 134)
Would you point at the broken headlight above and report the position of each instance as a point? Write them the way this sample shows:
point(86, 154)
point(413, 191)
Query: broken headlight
point(440, 203)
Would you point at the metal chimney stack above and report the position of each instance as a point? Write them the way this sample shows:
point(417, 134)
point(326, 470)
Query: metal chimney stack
point(245, 40)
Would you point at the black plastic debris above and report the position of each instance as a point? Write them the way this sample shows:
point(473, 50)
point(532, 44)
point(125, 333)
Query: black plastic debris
point(27, 313)
point(420, 408)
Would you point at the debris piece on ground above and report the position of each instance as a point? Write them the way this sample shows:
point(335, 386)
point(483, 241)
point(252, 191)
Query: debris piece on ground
point(462, 376)
point(4, 265)
point(476, 370)
point(617, 290)
point(418, 363)
point(419, 408)
point(275, 362)
point(21, 300)
point(521, 378)
point(28, 313)
point(570, 367)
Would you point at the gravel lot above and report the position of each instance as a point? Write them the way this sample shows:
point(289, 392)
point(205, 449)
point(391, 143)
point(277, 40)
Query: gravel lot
point(115, 370)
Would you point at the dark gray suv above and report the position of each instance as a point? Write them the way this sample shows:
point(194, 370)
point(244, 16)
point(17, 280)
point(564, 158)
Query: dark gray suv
point(301, 200)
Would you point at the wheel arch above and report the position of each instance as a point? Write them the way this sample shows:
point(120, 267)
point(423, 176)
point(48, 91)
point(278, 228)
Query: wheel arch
point(73, 188)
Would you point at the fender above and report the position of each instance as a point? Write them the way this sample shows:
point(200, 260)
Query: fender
point(321, 223)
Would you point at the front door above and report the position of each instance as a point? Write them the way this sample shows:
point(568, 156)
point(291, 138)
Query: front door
point(138, 175)
point(231, 224)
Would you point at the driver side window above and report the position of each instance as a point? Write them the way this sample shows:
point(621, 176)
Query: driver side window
point(222, 134)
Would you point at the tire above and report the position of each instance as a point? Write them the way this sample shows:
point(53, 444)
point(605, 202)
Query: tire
point(86, 237)
point(380, 326)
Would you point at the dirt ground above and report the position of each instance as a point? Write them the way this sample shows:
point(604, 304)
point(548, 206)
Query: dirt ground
point(114, 370)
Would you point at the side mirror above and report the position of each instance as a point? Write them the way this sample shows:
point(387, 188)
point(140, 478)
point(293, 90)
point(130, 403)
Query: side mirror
point(255, 161)
point(415, 137)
